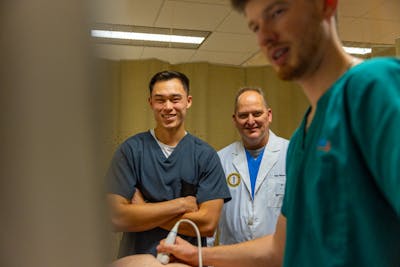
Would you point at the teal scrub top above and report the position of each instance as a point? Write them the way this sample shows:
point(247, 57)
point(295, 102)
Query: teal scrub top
point(342, 199)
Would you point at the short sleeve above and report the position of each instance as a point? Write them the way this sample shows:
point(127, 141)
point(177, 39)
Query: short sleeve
point(375, 120)
point(212, 184)
point(121, 178)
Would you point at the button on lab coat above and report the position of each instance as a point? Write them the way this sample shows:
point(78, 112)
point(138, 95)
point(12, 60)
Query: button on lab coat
point(244, 218)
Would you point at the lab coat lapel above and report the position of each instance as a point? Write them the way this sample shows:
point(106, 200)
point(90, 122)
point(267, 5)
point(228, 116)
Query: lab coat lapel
point(270, 157)
point(240, 163)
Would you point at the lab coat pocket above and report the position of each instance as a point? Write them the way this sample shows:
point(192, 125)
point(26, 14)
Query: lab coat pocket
point(276, 190)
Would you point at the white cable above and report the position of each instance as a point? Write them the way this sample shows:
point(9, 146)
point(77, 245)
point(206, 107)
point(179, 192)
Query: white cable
point(198, 238)
point(164, 257)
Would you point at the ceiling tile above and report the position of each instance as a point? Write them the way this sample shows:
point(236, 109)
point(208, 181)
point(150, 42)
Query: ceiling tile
point(230, 42)
point(387, 10)
point(220, 57)
point(360, 21)
point(170, 55)
point(391, 32)
point(195, 16)
point(349, 30)
point(234, 23)
point(257, 60)
point(117, 52)
point(368, 31)
point(127, 12)
point(356, 8)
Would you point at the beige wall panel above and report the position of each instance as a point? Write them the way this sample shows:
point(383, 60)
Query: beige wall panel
point(197, 117)
point(223, 84)
point(109, 85)
point(383, 51)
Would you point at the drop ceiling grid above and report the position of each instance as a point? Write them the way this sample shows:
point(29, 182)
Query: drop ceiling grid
point(357, 8)
point(127, 12)
point(118, 52)
point(220, 57)
point(388, 10)
point(361, 21)
point(230, 42)
point(234, 23)
point(174, 55)
point(194, 16)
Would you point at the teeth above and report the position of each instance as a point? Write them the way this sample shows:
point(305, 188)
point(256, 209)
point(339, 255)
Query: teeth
point(279, 53)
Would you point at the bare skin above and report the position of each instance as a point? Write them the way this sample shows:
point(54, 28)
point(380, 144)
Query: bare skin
point(143, 260)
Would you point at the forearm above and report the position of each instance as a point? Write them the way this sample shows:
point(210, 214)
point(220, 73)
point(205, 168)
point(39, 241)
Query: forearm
point(187, 229)
point(265, 251)
point(204, 222)
point(206, 219)
point(258, 252)
point(128, 217)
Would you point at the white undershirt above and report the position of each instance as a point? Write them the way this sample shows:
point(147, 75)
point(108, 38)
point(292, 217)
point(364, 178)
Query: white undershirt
point(166, 149)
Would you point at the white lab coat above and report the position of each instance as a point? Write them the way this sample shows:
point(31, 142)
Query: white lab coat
point(243, 218)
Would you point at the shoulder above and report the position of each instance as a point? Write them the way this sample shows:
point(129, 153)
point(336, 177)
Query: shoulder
point(377, 70)
point(377, 64)
point(136, 141)
point(371, 81)
point(234, 147)
point(277, 139)
point(199, 144)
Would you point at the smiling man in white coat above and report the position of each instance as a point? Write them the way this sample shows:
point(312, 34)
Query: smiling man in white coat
point(255, 171)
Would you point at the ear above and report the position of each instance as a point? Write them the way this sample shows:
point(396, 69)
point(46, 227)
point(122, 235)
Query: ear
point(269, 112)
point(189, 101)
point(330, 7)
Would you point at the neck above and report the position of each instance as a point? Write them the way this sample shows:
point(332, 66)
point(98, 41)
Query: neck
point(328, 71)
point(169, 137)
point(329, 63)
point(256, 145)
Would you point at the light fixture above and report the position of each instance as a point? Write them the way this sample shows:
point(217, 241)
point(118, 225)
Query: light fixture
point(148, 36)
point(357, 50)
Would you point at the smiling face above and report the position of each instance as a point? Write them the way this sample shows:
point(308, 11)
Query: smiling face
point(289, 34)
point(252, 119)
point(169, 102)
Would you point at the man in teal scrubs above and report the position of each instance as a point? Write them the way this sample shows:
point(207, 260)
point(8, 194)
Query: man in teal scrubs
point(342, 198)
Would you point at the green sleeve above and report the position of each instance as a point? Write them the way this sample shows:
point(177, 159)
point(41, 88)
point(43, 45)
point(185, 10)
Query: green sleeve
point(374, 110)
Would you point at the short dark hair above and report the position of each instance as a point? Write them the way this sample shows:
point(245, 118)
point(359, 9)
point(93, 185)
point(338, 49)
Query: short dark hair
point(167, 75)
point(246, 89)
point(239, 5)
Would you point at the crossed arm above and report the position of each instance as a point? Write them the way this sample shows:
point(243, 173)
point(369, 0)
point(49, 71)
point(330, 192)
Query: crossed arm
point(136, 215)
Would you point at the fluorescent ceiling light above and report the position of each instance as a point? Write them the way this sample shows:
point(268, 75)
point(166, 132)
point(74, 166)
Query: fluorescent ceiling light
point(357, 50)
point(147, 36)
